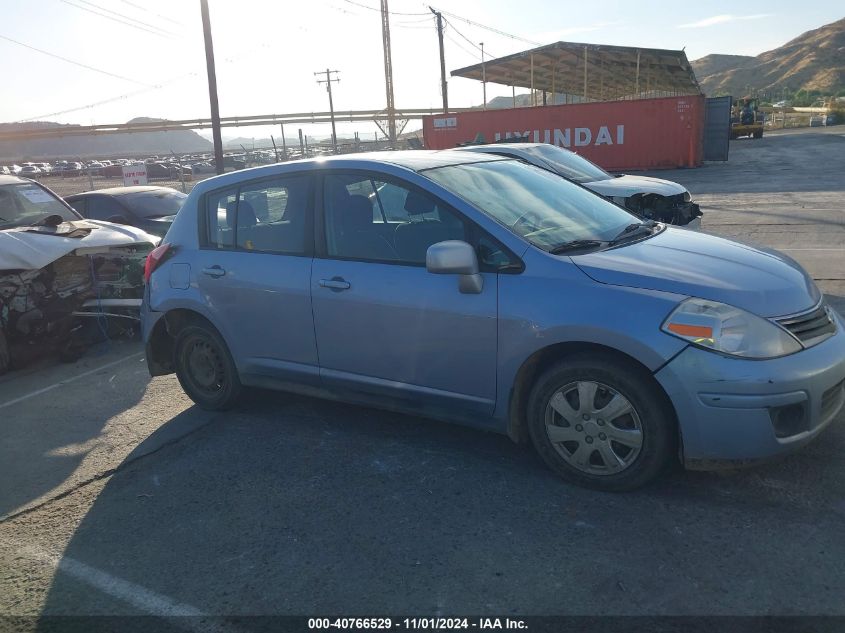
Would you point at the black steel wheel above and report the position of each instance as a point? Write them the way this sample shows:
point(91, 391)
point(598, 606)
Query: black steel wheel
point(205, 368)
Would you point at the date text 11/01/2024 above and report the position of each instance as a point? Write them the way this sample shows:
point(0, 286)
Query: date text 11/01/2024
point(433, 623)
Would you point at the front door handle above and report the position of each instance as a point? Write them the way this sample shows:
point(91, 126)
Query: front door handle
point(214, 271)
point(336, 283)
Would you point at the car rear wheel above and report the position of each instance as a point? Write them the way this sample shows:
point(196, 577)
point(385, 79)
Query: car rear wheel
point(600, 422)
point(205, 368)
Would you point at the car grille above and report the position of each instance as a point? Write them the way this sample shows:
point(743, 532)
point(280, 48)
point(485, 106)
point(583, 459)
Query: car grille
point(832, 400)
point(811, 328)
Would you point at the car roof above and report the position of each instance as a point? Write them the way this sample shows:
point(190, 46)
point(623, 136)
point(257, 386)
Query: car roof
point(498, 147)
point(124, 191)
point(415, 160)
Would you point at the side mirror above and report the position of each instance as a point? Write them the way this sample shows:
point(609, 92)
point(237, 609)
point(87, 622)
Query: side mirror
point(454, 257)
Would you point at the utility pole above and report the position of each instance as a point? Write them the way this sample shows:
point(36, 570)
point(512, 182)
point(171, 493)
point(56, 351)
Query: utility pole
point(212, 87)
point(388, 72)
point(443, 87)
point(483, 76)
point(328, 81)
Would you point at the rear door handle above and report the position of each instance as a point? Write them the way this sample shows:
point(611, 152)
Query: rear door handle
point(336, 283)
point(214, 271)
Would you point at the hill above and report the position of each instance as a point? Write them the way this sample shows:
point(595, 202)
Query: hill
point(814, 60)
point(114, 145)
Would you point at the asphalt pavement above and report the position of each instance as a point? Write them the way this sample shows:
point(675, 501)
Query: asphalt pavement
point(119, 497)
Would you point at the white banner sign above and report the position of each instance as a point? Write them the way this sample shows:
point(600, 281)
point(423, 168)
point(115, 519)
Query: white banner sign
point(134, 175)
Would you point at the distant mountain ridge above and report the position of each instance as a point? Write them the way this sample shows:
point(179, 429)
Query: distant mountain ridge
point(814, 60)
point(106, 145)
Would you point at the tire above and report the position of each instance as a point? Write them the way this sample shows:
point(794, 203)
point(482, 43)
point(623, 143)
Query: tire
point(758, 135)
point(622, 453)
point(205, 368)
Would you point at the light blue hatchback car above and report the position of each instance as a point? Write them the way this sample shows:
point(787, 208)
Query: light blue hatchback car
point(487, 291)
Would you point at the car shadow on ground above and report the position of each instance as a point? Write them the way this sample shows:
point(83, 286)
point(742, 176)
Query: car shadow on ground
point(290, 505)
point(47, 437)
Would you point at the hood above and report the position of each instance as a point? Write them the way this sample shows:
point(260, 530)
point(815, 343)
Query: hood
point(626, 186)
point(762, 281)
point(21, 250)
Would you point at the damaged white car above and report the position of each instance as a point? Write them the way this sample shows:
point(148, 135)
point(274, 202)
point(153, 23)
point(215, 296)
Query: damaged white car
point(57, 268)
point(652, 198)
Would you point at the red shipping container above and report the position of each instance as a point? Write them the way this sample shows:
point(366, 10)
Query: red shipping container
point(618, 135)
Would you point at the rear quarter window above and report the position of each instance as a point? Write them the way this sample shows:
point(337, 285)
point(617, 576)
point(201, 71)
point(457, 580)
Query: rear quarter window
point(220, 209)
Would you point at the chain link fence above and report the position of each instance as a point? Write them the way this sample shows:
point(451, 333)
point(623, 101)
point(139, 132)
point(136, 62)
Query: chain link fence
point(66, 186)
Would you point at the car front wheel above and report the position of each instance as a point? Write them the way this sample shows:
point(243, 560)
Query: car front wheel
point(601, 422)
point(205, 368)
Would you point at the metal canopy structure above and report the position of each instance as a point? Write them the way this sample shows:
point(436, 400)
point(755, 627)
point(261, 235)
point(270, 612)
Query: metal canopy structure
point(593, 72)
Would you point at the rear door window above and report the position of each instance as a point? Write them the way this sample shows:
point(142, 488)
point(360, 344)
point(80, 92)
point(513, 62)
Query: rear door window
point(267, 216)
point(273, 216)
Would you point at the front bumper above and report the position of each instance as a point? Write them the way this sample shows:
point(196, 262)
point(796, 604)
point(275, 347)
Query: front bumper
point(726, 406)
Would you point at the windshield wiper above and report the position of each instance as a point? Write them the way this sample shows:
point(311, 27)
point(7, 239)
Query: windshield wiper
point(633, 230)
point(575, 245)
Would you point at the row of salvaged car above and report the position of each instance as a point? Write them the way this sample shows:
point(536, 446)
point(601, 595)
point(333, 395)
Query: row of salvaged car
point(108, 169)
point(68, 264)
point(157, 167)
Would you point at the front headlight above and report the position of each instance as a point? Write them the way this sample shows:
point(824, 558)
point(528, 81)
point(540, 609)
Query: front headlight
point(724, 328)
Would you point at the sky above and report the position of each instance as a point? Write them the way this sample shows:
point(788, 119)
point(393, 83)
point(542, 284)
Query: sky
point(146, 57)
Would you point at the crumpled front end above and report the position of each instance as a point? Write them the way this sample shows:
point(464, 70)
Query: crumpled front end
point(66, 305)
point(676, 209)
point(37, 310)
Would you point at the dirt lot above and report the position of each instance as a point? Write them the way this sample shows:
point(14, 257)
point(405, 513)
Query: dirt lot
point(119, 497)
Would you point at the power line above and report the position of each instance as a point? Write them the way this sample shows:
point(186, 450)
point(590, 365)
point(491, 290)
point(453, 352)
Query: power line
point(123, 16)
point(364, 6)
point(109, 100)
point(459, 45)
point(469, 41)
point(132, 23)
point(228, 60)
point(491, 29)
point(75, 63)
point(428, 18)
point(158, 15)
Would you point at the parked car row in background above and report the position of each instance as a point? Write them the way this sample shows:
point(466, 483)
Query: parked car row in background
point(165, 167)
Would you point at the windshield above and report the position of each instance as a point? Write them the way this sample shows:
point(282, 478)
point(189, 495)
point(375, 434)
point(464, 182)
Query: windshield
point(544, 208)
point(155, 204)
point(23, 204)
point(569, 164)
